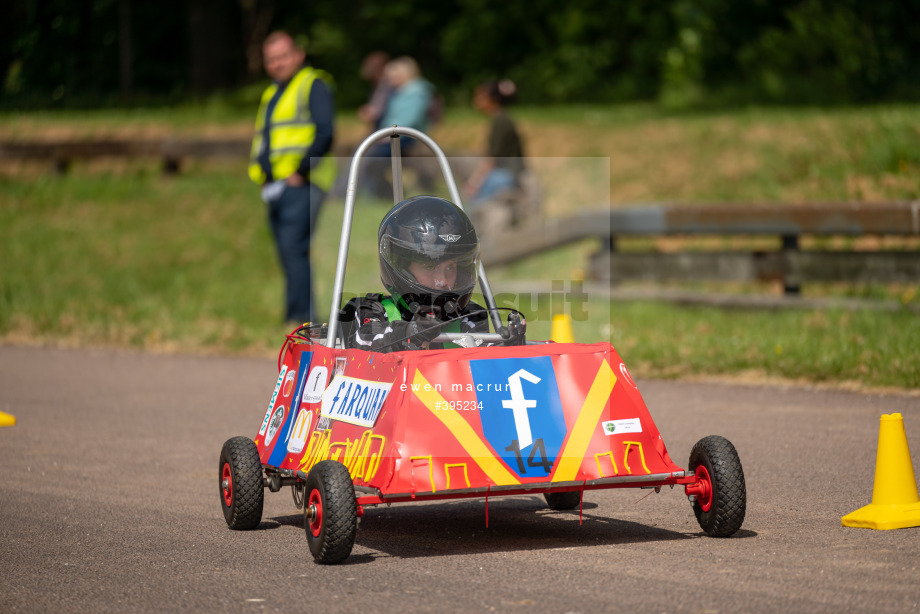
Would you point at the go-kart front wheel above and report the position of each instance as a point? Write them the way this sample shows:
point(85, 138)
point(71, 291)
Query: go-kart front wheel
point(330, 512)
point(241, 492)
point(719, 496)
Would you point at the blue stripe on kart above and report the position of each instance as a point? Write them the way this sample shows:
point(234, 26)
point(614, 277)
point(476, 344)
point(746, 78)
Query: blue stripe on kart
point(280, 450)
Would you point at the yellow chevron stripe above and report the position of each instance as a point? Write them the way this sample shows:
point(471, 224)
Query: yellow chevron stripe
point(575, 448)
point(461, 429)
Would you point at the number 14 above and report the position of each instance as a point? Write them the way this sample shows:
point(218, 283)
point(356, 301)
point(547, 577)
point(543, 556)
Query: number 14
point(537, 447)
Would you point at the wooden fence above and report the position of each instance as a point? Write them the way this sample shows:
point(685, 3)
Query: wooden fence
point(788, 262)
point(171, 152)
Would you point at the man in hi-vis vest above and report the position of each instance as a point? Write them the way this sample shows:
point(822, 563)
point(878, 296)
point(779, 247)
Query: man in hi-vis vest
point(291, 160)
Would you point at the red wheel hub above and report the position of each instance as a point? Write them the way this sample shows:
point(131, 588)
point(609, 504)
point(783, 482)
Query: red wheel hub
point(315, 504)
point(702, 489)
point(227, 484)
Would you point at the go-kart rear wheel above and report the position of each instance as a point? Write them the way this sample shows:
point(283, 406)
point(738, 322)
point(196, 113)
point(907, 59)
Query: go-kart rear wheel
point(330, 512)
point(563, 500)
point(720, 496)
point(241, 491)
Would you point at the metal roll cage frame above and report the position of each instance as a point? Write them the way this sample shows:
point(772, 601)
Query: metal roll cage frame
point(394, 132)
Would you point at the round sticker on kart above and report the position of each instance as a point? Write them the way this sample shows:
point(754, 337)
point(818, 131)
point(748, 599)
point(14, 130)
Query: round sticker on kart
point(288, 384)
point(274, 424)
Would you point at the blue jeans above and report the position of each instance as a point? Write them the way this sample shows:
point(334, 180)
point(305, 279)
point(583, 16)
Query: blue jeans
point(292, 218)
point(497, 180)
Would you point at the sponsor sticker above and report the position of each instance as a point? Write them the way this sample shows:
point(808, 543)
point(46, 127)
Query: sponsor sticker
point(355, 401)
point(619, 427)
point(288, 384)
point(316, 384)
point(271, 402)
point(340, 364)
point(301, 430)
point(274, 424)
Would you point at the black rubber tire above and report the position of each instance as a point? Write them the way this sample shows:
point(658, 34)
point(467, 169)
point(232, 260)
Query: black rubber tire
point(244, 496)
point(332, 536)
point(729, 494)
point(563, 500)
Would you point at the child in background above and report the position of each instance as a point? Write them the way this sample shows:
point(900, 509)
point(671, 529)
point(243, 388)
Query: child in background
point(503, 164)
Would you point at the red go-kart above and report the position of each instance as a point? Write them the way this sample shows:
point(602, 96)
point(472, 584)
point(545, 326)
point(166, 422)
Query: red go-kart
point(348, 428)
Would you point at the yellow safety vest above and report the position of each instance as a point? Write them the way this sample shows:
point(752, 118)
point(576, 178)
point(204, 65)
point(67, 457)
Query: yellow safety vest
point(292, 131)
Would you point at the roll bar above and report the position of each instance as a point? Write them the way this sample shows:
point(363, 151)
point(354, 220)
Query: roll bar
point(393, 132)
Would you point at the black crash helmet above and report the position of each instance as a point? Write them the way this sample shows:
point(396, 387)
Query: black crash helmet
point(429, 255)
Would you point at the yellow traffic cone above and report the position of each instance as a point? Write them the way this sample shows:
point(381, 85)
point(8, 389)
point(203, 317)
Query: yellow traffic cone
point(7, 419)
point(562, 329)
point(895, 502)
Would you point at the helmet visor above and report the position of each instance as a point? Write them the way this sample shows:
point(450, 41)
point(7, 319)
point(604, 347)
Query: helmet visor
point(434, 267)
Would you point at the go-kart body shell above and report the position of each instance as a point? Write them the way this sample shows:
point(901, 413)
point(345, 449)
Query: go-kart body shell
point(346, 428)
point(464, 422)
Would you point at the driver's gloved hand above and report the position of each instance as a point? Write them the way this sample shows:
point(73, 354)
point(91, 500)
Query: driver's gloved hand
point(422, 331)
point(513, 334)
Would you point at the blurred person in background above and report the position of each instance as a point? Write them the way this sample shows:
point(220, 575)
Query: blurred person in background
point(501, 167)
point(372, 70)
point(291, 161)
point(411, 105)
point(410, 101)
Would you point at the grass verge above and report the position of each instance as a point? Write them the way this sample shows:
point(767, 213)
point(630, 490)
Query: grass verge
point(123, 256)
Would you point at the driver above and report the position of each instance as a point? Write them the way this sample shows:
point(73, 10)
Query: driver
point(429, 262)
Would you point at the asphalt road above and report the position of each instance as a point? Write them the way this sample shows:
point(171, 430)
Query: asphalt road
point(109, 503)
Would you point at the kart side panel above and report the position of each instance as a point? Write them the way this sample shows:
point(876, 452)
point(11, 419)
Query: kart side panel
point(432, 422)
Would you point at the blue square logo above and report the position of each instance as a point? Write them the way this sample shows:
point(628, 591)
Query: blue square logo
point(522, 416)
